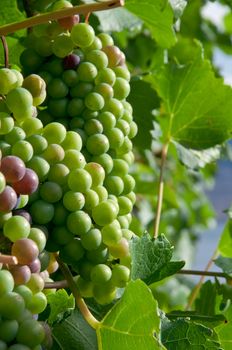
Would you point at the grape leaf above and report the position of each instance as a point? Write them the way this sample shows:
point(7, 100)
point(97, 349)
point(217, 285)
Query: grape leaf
point(225, 264)
point(132, 322)
point(59, 303)
point(9, 12)
point(224, 331)
point(205, 303)
point(143, 100)
point(197, 107)
point(225, 242)
point(158, 16)
point(117, 20)
point(150, 259)
point(183, 334)
point(74, 333)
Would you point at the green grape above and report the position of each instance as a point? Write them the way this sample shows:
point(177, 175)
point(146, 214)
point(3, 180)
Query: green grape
point(6, 282)
point(123, 126)
point(40, 166)
point(100, 273)
point(60, 214)
point(58, 173)
point(84, 267)
point(16, 134)
point(79, 180)
point(56, 107)
point(91, 200)
point(8, 330)
point(128, 157)
point(2, 182)
point(72, 252)
point(32, 126)
point(98, 58)
point(87, 72)
point(20, 101)
point(106, 39)
point(38, 303)
point(37, 87)
point(72, 140)
point(111, 233)
point(57, 88)
point(31, 333)
point(108, 120)
point(54, 132)
point(22, 149)
point(120, 167)
point(123, 222)
point(88, 114)
point(54, 153)
point(55, 67)
point(12, 306)
point(133, 130)
point(105, 161)
point(122, 72)
point(8, 80)
point(82, 34)
point(85, 287)
point(132, 196)
point(104, 213)
point(39, 237)
point(75, 107)
point(76, 124)
point(129, 184)
point(120, 250)
point(96, 45)
point(128, 234)
point(4, 217)
point(98, 256)
point(50, 192)
point(62, 45)
point(74, 159)
point(43, 46)
point(25, 292)
point(104, 293)
point(121, 88)
point(41, 212)
point(79, 222)
point(38, 142)
point(16, 227)
point(6, 122)
point(30, 60)
point(115, 107)
point(125, 205)
point(114, 55)
point(114, 184)
point(97, 144)
point(120, 275)
point(70, 77)
point(105, 90)
point(97, 173)
point(35, 283)
point(92, 239)
point(125, 147)
point(61, 235)
point(105, 75)
point(5, 148)
point(93, 126)
point(94, 101)
point(102, 193)
point(73, 201)
point(46, 76)
point(115, 137)
point(81, 89)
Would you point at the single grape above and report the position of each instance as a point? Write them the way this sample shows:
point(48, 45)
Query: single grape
point(39, 237)
point(106, 39)
point(16, 228)
point(69, 22)
point(58, 173)
point(97, 144)
point(92, 239)
point(2, 182)
point(120, 275)
point(22, 149)
point(98, 58)
point(35, 266)
point(12, 306)
point(40, 167)
point(101, 273)
point(13, 168)
point(72, 252)
point(79, 180)
point(61, 235)
point(42, 212)
point(82, 34)
point(54, 132)
point(50, 192)
point(8, 79)
point(35, 283)
point(38, 303)
point(105, 90)
point(79, 222)
point(73, 200)
point(28, 184)
point(105, 75)
point(31, 333)
point(38, 142)
point(87, 72)
point(7, 123)
point(57, 88)
point(6, 282)
point(111, 233)
point(8, 330)
point(21, 274)
point(71, 61)
point(25, 250)
point(62, 46)
point(114, 184)
point(16, 134)
point(94, 101)
point(104, 213)
point(54, 153)
point(85, 287)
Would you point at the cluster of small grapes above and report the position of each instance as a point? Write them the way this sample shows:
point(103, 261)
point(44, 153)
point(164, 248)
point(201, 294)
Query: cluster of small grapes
point(22, 283)
point(86, 194)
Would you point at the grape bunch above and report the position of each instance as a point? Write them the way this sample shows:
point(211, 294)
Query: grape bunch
point(83, 153)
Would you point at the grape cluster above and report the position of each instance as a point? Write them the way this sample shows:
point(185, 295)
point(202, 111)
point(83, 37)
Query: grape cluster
point(83, 153)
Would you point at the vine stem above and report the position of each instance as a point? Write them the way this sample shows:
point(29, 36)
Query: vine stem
point(203, 273)
point(6, 51)
point(8, 259)
point(66, 12)
point(160, 189)
point(56, 284)
point(88, 316)
point(199, 284)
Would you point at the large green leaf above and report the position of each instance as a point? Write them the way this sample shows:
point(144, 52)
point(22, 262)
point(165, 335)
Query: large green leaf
point(158, 16)
point(132, 322)
point(183, 334)
point(225, 264)
point(197, 107)
point(225, 242)
point(150, 259)
point(224, 331)
point(74, 333)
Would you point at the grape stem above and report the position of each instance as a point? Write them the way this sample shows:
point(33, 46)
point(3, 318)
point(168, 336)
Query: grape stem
point(203, 273)
point(56, 285)
point(66, 12)
point(8, 259)
point(6, 51)
point(164, 153)
point(88, 316)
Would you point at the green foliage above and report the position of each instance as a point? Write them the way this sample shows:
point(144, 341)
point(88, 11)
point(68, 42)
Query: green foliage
point(59, 303)
point(224, 331)
point(225, 242)
point(225, 264)
point(128, 327)
point(151, 259)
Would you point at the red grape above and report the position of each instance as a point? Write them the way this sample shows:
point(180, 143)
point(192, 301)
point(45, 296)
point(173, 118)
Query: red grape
point(8, 199)
point(28, 184)
point(13, 168)
point(25, 250)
